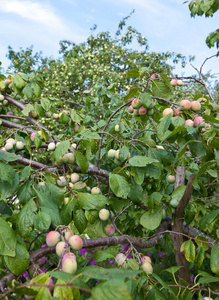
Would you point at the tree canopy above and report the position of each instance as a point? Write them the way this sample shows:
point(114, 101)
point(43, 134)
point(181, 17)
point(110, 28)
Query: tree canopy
point(108, 174)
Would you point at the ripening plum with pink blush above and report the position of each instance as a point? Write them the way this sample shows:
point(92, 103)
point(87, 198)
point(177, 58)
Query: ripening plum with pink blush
point(110, 230)
point(68, 255)
point(52, 238)
point(76, 242)
point(146, 259)
point(177, 112)
point(167, 111)
point(195, 105)
point(189, 122)
point(142, 111)
point(136, 103)
point(130, 109)
point(173, 82)
point(199, 121)
point(69, 266)
point(185, 104)
point(32, 136)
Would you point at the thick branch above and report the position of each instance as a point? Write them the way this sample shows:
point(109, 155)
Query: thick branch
point(178, 222)
point(10, 124)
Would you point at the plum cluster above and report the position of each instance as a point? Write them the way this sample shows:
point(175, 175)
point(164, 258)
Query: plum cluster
point(115, 156)
point(69, 241)
point(104, 216)
point(138, 109)
point(13, 144)
point(146, 264)
point(186, 105)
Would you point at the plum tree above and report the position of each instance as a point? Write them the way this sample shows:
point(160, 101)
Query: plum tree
point(90, 90)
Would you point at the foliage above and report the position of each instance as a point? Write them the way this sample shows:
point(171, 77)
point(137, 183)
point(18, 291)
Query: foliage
point(83, 103)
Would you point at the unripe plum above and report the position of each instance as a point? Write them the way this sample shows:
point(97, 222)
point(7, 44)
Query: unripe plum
point(120, 259)
point(76, 242)
point(74, 177)
point(195, 105)
point(5, 102)
point(185, 104)
point(174, 202)
point(95, 191)
point(60, 247)
point(189, 122)
point(110, 230)
point(51, 146)
point(159, 147)
point(171, 178)
point(199, 121)
point(61, 182)
point(52, 238)
point(117, 127)
point(104, 214)
point(19, 145)
point(147, 267)
point(70, 157)
point(136, 103)
point(146, 259)
point(55, 116)
point(142, 111)
point(136, 112)
point(69, 266)
point(167, 111)
point(2, 97)
point(179, 82)
point(74, 145)
point(173, 82)
point(11, 140)
point(68, 234)
point(111, 153)
point(117, 154)
point(8, 146)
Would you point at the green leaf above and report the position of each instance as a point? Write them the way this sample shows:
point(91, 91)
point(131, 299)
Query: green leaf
point(200, 256)
point(43, 294)
point(111, 290)
point(119, 185)
point(36, 89)
point(161, 89)
point(138, 174)
point(7, 173)
point(172, 270)
point(163, 283)
point(201, 244)
point(177, 121)
point(88, 201)
point(7, 189)
point(26, 217)
point(164, 125)
point(61, 149)
point(207, 278)
point(8, 239)
point(63, 292)
point(155, 295)
point(100, 273)
point(147, 100)
point(54, 215)
point(9, 156)
point(178, 192)
point(18, 81)
point(151, 220)
point(103, 255)
point(214, 260)
point(208, 219)
point(45, 103)
point(153, 171)
point(42, 221)
point(80, 220)
point(28, 91)
point(212, 173)
point(81, 161)
point(25, 192)
point(75, 116)
point(141, 161)
point(189, 248)
point(132, 73)
point(25, 172)
point(20, 262)
point(90, 134)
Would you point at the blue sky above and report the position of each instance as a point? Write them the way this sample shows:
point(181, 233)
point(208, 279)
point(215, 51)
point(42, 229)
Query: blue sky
point(166, 24)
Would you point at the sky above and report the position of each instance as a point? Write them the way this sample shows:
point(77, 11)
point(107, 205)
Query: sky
point(166, 24)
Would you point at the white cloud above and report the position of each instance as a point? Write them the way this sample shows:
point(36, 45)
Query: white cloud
point(33, 11)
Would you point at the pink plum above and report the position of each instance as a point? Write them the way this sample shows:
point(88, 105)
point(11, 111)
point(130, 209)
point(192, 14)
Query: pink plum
point(185, 104)
point(52, 238)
